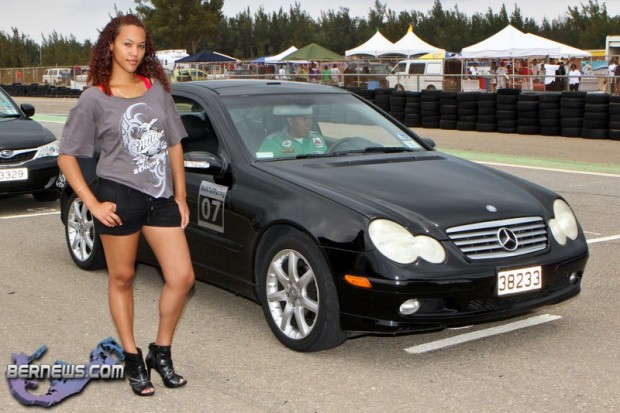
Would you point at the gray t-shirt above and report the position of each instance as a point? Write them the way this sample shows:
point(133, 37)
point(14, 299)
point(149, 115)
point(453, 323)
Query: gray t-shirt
point(133, 134)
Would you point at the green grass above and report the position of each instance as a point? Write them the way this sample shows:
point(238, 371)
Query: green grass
point(537, 162)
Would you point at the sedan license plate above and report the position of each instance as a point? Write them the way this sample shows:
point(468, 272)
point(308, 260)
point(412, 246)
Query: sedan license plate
point(519, 280)
point(13, 174)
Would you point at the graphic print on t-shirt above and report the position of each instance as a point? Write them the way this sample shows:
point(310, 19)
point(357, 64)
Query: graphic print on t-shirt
point(146, 143)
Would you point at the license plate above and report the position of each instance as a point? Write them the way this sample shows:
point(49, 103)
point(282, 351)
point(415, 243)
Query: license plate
point(14, 174)
point(519, 280)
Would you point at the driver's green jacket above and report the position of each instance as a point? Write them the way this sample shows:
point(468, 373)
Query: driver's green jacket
point(283, 144)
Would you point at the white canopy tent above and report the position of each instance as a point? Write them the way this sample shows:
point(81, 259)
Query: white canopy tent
point(278, 58)
point(374, 46)
point(410, 44)
point(510, 43)
point(565, 50)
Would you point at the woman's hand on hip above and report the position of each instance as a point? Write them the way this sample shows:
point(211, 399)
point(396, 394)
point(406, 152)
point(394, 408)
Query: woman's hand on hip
point(106, 213)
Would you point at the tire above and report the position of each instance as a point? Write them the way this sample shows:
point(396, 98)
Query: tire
point(46, 196)
point(299, 300)
point(528, 130)
point(595, 133)
point(466, 125)
point(571, 132)
point(83, 243)
point(486, 127)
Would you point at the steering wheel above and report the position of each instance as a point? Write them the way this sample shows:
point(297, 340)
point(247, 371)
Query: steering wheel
point(350, 143)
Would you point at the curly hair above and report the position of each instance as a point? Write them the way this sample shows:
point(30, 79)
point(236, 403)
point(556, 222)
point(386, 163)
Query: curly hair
point(101, 57)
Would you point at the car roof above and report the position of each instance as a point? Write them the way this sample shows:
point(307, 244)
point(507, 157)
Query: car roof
point(239, 87)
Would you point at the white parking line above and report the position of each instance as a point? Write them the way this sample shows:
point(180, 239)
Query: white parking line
point(476, 335)
point(31, 215)
point(603, 239)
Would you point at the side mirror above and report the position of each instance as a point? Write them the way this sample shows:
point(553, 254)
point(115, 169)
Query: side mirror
point(204, 163)
point(28, 109)
point(429, 142)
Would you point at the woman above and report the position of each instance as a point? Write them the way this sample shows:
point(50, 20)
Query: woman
point(574, 77)
point(129, 112)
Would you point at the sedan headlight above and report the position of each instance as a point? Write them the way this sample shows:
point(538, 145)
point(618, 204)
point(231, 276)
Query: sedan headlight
point(563, 225)
point(51, 149)
point(399, 245)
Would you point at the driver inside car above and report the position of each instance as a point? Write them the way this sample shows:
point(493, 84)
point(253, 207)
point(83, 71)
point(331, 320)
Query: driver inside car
point(296, 138)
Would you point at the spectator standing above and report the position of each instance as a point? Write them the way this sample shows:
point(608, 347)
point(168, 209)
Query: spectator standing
point(574, 77)
point(335, 72)
point(326, 75)
point(314, 73)
point(560, 77)
point(282, 73)
point(502, 75)
point(549, 70)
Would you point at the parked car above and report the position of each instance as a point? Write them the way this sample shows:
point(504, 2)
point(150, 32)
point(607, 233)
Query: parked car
point(375, 232)
point(366, 75)
point(186, 75)
point(419, 74)
point(28, 153)
point(57, 76)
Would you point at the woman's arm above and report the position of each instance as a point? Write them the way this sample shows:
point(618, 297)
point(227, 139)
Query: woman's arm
point(103, 211)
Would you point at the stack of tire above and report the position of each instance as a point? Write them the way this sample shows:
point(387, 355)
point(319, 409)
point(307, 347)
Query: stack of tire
point(448, 110)
point(527, 114)
point(487, 108)
point(549, 114)
point(506, 110)
point(468, 110)
point(572, 106)
point(397, 104)
point(614, 117)
point(368, 94)
point(596, 116)
point(413, 118)
point(382, 98)
point(429, 108)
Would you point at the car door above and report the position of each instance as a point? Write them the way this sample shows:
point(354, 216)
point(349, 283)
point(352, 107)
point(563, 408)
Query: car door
point(215, 233)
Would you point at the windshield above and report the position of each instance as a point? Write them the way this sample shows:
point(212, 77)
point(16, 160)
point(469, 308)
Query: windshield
point(7, 108)
point(285, 126)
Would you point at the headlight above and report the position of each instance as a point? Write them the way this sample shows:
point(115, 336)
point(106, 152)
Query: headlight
point(401, 246)
point(51, 149)
point(563, 225)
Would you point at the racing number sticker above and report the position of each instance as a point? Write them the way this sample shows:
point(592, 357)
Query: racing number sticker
point(211, 206)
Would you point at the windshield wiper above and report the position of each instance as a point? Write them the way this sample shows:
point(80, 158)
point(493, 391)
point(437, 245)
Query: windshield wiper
point(378, 149)
point(10, 115)
point(315, 155)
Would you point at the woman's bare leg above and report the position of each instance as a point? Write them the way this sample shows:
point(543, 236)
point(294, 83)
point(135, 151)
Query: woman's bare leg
point(120, 253)
point(170, 247)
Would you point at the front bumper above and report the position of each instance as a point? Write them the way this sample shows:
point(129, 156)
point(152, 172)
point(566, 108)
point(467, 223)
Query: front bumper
point(453, 301)
point(42, 175)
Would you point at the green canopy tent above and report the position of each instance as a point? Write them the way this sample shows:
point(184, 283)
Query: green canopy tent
point(313, 52)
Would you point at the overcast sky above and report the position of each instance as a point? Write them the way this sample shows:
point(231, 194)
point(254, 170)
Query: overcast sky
point(83, 18)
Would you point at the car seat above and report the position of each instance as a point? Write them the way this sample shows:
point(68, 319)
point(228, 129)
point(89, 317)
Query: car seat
point(200, 135)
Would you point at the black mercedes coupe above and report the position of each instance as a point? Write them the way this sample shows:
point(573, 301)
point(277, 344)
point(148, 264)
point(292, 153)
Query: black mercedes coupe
point(368, 229)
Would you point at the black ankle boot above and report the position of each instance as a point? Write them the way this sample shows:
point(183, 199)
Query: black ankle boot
point(160, 359)
point(137, 374)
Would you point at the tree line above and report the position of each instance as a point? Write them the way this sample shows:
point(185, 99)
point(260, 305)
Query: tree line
point(199, 25)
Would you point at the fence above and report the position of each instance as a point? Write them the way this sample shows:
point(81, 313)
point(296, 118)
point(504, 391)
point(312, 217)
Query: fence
point(598, 82)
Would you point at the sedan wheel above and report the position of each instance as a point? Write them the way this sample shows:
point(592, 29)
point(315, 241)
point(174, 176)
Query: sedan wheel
point(298, 295)
point(84, 244)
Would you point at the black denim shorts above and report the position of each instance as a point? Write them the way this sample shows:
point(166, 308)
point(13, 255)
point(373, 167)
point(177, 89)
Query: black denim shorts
point(135, 209)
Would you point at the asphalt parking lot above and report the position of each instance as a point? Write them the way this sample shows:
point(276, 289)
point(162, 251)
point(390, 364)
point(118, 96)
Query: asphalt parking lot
point(559, 358)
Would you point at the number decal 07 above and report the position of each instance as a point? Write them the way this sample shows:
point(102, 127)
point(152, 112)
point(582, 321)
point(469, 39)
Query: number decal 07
point(211, 201)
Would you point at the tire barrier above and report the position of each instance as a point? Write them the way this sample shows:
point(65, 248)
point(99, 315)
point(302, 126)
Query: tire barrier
point(569, 114)
point(572, 106)
point(43, 91)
